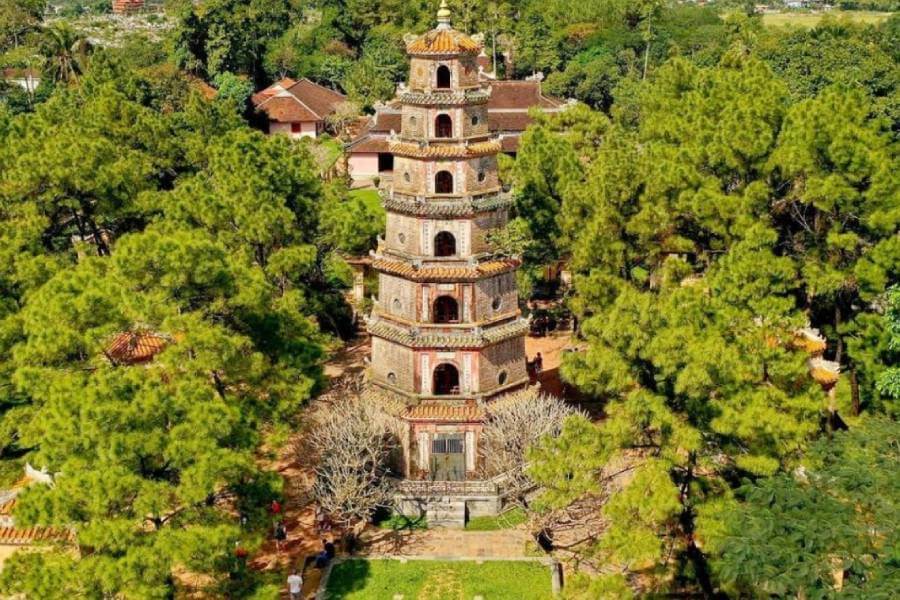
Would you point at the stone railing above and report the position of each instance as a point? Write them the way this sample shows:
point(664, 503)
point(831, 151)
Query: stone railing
point(425, 489)
point(445, 97)
point(485, 487)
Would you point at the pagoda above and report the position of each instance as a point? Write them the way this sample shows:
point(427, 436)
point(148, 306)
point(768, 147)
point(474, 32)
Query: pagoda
point(447, 334)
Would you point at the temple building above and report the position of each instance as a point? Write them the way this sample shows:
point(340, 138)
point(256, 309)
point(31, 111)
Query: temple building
point(447, 334)
point(127, 7)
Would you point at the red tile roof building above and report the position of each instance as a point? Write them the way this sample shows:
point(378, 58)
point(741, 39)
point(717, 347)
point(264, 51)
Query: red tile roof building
point(13, 535)
point(127, 7)
point(297, 108)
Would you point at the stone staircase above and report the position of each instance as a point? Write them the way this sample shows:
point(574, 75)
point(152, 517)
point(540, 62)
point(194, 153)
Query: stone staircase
point(446, 512)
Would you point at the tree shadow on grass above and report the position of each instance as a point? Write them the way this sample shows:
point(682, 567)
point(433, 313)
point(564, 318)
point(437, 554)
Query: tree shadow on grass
point(347, 577)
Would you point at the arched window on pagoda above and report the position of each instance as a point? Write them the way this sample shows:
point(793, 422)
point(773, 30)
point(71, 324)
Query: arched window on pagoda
point(443, 182)
point(444, 244)
point(443, 78)
point(446, 310)
point(445, 381)
point(443, 126)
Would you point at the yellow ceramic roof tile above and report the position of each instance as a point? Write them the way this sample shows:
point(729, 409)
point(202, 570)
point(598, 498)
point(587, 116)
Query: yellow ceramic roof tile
point(445, 412)
point(443, 41)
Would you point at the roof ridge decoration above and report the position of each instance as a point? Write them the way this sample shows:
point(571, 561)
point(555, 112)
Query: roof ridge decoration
point(443, 16)
point(443, 40)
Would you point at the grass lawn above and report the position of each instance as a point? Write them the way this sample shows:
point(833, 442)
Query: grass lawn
point(808, 20)
point(366, 194)
point(398, 522)
point(360, 579)
point(507, 520)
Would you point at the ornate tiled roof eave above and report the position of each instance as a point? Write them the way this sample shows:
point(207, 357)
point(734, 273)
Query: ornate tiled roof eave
point(28, 536)
point(438, 274)
point(479, 338)
point(445, 413)
point(450, 98)
point(444, 151)
point(421, 207)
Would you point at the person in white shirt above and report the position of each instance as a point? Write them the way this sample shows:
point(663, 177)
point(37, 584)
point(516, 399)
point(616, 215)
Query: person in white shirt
point(295, 584)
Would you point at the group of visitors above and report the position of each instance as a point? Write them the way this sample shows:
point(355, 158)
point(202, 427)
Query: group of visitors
point(279, 531)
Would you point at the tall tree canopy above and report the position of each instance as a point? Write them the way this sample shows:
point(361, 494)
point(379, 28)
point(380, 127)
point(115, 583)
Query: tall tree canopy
point(702, 236)
point(135, 208)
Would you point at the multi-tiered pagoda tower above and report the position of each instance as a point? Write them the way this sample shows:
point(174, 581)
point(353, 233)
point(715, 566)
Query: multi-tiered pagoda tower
point(447, 335)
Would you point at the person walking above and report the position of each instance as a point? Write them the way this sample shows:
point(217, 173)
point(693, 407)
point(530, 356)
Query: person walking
point(280, 535)
point(538, 363)
point(329, 549)
point(295, 584)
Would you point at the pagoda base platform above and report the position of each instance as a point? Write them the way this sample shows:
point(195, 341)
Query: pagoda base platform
point(447, 503)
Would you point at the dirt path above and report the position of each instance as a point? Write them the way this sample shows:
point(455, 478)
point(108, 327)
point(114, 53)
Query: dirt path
point(303, 539)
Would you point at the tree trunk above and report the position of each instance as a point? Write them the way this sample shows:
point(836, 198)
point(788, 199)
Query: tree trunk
point(694, 554)
point(701, 569)
point(646, 51)
point(854, 391)
point(839, 349)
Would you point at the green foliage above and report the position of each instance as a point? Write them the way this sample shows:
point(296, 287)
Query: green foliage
point(506, 520)
point(840, 215)
point(398, 522)
point(705, 225)
point(130, 202)
point(353, 222)
point(18, 18)
point(64, 53)
point(234, 89)
point(374, 77)
point(146, 457)
point(219, 36)
point(775, 542)
point(604, 587)
point(889, 381)
point(547, 165)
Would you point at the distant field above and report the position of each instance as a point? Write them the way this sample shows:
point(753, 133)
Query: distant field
point(811, 20)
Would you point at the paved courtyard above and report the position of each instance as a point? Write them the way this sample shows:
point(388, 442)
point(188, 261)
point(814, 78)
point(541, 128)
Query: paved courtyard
point(447, 543)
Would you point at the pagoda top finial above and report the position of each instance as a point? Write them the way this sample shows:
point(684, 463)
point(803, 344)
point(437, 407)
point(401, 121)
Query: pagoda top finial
point(443, 16)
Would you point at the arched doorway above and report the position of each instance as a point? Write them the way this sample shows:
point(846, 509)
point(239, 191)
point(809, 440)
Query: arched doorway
point(444, 244)
point(443, 77)
point(445, 380)
point(443, 126)
point(443, 182)
point(446, 310)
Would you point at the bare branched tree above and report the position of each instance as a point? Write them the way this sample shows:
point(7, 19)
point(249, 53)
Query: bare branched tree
point(345, 113)
point(354, 441)
point(516, 423)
